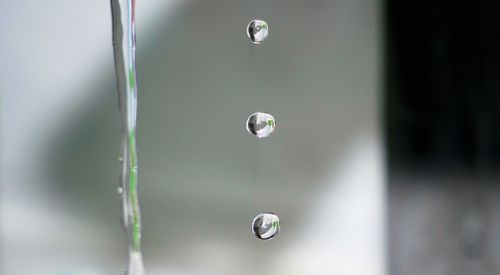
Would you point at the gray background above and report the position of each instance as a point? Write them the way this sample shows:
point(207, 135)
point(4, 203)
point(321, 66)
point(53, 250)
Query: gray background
point(202, 176)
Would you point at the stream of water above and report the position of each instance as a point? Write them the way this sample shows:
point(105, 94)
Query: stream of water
point(123, 18)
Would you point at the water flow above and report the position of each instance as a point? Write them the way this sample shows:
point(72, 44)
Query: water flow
point(123, 18)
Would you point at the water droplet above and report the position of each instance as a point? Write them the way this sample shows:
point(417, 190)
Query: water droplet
point(120, 158)
point(119, 190)
point(261, 124)
point(265, 226)
point(257, 31)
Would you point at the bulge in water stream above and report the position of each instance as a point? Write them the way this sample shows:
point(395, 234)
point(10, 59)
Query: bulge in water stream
point(257, 31)
point(265, 226)
point(261, 124)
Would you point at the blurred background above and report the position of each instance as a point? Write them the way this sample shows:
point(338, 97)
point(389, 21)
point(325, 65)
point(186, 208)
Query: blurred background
point(383, 160)
point(441, 107)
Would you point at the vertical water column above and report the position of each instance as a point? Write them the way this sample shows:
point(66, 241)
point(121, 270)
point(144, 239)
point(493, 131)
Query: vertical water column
point(123, 19)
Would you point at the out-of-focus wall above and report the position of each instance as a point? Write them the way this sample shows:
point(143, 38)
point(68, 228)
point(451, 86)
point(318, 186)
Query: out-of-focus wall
point(202, 176)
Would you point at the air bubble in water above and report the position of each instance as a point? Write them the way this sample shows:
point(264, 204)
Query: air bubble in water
point(265, 226)
point(261, 124)
point(257, 31)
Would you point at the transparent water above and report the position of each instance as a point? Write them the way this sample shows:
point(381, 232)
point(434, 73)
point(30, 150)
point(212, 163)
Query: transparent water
point(123, 19)
point(265, 226)
point(257, 31)
point(261, 125)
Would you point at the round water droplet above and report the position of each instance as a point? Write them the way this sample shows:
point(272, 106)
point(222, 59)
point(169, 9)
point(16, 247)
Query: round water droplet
point(265, 226)
point(257, 31)
point(119, 190)
point(261, 124)
point(120, 158)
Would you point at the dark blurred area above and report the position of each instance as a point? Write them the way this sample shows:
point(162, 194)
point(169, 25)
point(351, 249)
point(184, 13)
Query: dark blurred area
point(442, 144)
point(443, 84)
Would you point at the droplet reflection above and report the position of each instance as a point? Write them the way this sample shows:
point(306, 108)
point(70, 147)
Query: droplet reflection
point(257, 31)
point(261, 124)
point(265, 226)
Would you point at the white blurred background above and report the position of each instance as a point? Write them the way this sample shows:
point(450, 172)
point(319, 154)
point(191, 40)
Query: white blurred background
point(202, 177)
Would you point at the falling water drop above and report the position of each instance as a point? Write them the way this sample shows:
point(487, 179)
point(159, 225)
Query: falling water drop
point(257, 31)
point(265, 226)
point(119, 190)
point(261, 124)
